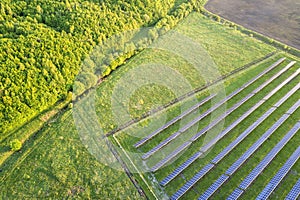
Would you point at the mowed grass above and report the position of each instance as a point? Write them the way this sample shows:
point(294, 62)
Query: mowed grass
point(226, 47)
point(127, 140)
point(54, 164)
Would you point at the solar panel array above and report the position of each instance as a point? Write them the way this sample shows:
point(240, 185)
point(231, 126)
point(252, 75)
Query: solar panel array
point(267, 159)
point(145, 139)
point(272, 185)
point(238, 192)
point(216, 121)
point(221, 155)
point(265, 162)
point(237, 164)
point(295, 192)
point(242, 136)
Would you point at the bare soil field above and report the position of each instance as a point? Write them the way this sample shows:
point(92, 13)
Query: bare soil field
point(278, 19)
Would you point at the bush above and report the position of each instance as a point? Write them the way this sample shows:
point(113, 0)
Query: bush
point(218, 19)
point(70, 106)
point(15, 145)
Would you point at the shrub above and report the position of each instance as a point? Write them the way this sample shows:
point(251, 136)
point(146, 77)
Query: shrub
point(15, 145)
point(218, 19)
point(271, 40)
point(70, 106)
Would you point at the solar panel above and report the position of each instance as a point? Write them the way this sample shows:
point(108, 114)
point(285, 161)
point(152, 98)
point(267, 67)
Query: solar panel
point(267, 191)
point(214, 187)
point(237, 193)
point(295, 192)
point(179, 169)
point(170, 156)
point(189, 184)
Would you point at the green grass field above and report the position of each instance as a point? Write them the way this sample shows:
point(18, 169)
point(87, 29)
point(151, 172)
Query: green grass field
point(55, 164)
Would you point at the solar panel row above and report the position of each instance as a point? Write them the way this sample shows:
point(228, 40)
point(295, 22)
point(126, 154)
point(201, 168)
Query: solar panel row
point(179, 169)
point(274, 77)
point(214, 187)
point(290, 92)
point(237, 193)
point(293, 108)
point(271, 186)
point(234, 143)
point(264, 72)
point(283, 84)
point(268, 158)
point(189, 184)
point(144, 140)
point(295, 192)
point(173, 121)
point(170, 156)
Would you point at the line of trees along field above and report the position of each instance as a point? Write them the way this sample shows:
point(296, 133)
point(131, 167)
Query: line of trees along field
point(42, 45)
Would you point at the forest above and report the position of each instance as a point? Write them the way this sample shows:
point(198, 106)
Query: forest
point(43, 44)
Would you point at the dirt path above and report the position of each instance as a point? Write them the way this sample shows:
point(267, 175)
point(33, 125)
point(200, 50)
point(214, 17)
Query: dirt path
point(279, 19)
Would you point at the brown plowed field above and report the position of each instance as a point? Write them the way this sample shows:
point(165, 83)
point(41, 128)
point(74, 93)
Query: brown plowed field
point(279, 19)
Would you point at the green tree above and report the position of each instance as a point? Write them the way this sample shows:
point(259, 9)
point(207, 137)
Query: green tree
point(15, 145)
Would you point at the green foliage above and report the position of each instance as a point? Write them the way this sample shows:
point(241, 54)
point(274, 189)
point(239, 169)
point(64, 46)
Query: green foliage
point(42, 45)
point(218, 18)
point(15, 145)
